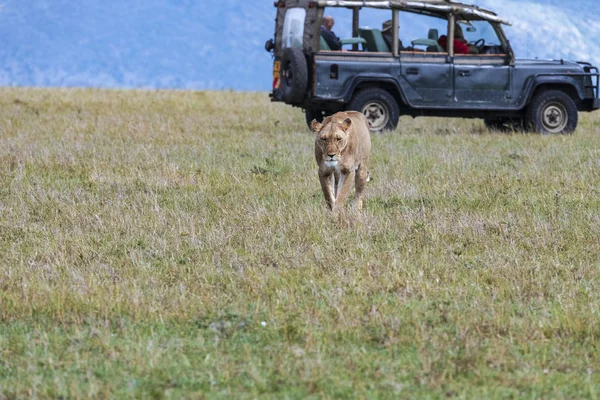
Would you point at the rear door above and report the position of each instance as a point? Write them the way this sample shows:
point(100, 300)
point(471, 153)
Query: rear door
point(426, 78)
point(425, 70)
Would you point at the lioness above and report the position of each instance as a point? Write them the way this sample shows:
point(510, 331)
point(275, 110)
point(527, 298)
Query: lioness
point(342, 149)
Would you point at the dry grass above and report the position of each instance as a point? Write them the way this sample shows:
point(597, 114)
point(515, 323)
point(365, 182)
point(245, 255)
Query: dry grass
point(169, 244)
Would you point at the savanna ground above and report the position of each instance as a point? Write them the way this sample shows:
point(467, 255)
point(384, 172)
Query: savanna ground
point(177, 244)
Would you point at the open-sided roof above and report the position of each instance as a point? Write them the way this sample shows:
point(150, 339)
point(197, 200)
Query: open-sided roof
point(438, 8)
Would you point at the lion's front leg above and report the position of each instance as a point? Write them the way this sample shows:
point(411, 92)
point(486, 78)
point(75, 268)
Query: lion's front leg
point(336, 182)
point(327, 185)
point(345, 186)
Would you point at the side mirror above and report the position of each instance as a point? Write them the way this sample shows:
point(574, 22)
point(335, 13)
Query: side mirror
point(269, 45)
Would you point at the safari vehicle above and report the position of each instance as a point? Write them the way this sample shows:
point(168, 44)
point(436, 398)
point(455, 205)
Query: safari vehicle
point(422, 79)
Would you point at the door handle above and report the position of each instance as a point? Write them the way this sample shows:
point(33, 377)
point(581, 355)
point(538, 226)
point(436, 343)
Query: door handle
point(412, 71)
point(464, 73)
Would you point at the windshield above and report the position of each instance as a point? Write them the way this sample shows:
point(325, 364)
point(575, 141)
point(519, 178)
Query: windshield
point(293, 27)
point(476, 30)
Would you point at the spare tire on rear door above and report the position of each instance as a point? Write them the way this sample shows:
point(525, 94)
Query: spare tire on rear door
point(294, 75)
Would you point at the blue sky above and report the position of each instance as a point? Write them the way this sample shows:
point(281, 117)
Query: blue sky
point(208, 45)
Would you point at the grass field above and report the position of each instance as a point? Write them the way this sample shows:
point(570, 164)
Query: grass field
point(177, 244)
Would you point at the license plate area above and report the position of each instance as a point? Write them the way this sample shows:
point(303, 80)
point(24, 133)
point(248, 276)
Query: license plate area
point(276, 69)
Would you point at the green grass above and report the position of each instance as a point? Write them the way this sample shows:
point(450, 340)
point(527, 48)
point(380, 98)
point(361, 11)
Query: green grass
point(177, 244)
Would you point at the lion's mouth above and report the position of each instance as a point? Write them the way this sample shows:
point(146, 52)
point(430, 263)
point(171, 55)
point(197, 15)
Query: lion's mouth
point(331, 162)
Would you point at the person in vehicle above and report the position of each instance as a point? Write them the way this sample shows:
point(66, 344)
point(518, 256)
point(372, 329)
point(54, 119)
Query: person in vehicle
point(332, 40)
point(388, 35)
point(461, 45)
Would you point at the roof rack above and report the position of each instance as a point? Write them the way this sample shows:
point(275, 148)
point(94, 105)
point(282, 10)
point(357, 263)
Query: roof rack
point(427, 6)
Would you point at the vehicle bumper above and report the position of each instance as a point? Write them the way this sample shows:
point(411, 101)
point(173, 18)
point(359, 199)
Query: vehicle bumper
point(596, 104)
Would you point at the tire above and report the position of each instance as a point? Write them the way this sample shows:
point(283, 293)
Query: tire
point(315, 113)
point(378, 105)
point(552, 111)
point(294, 75)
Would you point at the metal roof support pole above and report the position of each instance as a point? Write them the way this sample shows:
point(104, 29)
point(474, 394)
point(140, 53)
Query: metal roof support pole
point(395, 33)
point(355, 23)
point(450, 37)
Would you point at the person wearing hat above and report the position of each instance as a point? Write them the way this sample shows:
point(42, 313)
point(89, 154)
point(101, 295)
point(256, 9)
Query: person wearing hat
point(388, 36)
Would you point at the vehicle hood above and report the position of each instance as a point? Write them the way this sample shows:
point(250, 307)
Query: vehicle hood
point(540, 63)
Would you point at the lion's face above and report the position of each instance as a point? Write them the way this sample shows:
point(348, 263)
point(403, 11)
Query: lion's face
point(332, 138)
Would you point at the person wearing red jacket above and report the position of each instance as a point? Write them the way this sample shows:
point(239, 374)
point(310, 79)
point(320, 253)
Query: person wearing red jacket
point(461, 45)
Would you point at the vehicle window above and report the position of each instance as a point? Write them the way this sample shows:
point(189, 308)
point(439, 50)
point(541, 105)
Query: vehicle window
point(370, 26)
point(369, 17)
point(476, 30)
point(421, 31)
point(293, 27)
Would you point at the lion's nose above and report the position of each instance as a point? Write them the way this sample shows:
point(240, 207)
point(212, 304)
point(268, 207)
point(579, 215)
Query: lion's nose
point(331, 155)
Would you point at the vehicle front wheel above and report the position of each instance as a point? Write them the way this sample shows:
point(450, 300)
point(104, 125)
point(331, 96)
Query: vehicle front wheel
point(552, 111)
point(378, 105)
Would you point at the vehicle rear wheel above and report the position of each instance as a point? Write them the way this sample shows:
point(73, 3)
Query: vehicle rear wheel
point(315, 113)
point(294, 75)
point(378, 105)
point(552, 111)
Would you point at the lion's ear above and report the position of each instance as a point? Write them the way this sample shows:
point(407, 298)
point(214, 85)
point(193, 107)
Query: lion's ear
point(315, 126)
point(346, 124)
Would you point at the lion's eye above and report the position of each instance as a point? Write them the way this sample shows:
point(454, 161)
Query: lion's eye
point(339, 139)
point(323, 139)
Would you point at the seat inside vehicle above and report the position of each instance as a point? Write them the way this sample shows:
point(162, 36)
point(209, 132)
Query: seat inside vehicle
point(374, 39)
point(433, 34)
point(431, 43)
point(323, 44)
